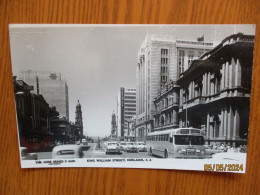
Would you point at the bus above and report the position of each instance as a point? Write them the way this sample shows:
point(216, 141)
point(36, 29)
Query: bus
point(177, 143)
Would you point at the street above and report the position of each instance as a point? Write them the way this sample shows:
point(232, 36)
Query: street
point(91, 152)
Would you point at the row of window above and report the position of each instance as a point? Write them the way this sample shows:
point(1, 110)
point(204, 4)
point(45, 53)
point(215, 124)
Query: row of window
point(164, 137)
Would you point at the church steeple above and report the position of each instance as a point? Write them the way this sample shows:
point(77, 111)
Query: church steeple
point(78, 118)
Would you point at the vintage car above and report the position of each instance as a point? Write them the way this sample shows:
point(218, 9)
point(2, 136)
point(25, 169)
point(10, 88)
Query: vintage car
point(112, 147)
point(132, 147)
point(67, 151)
point(123, 146)
point(210, 150)
point(25, 155)
point(142, 146)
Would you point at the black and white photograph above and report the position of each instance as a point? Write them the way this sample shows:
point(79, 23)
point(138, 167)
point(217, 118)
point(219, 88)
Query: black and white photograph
point(133, 96)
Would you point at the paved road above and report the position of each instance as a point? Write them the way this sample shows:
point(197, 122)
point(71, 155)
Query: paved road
point(92, 152)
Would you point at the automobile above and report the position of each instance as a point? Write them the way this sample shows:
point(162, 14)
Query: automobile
point(84, 142)
point(25, 155)
point(142, 146)
point(123, 146)
point(132, 147)
point(210, 150)
point(67, 151)
point(112, 147)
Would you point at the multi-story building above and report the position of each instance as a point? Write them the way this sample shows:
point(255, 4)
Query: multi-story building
point(126, 109)
point(160, 59)
point(215, 91)
point(51, 87)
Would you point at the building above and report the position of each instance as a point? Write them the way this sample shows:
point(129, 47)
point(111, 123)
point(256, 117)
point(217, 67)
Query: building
point(33, 116)
point(167, 107)
point(161, 59)
point(113, 126)
point(215, 91)
point(126, 109)
point(79, 120)
point(51, 87)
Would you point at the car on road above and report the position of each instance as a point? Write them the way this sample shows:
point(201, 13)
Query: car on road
point(123, 146)
point(25, 155)
point(132, 147)
point(112, 147)
point(210, 150)
point(67, 151)
point(142, 146)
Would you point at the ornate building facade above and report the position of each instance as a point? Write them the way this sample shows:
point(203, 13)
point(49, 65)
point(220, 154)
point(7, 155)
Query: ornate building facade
point(216, 88)
point(212, 94)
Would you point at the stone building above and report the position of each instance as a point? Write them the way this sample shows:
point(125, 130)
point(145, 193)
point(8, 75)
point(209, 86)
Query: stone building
point(215, 91)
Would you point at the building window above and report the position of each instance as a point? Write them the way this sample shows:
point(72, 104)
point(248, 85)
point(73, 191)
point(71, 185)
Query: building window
point(190, 57)
point(181, 61)
point(164, 52)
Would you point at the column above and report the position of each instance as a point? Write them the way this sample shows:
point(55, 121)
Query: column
point(208, 83)
point(203, 85)
point(236, 128)
point(190, 90)
point(238, 73)
point(221, 124)
point(225, 123)
point(231, 73)
point(222, 86)
point(181, 97)
point(208, 129)
point(226, 75)
point(229, 127)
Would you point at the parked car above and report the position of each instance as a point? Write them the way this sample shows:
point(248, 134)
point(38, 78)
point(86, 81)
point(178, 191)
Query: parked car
point(132, 147)
point(67, 151)
point(112, 147)
point(142, 146)
point(123, 146)
point(25, 155)
point(210, 150)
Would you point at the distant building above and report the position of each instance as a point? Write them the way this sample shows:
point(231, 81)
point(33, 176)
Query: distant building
point(79, 120)
point(215, 91)
point(51, 87)
point(113, 126)
point(161, 59)
point(126, 109)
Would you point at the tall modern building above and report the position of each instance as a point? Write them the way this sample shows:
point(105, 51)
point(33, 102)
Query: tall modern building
point(160, 59)
point(126, 109)
point(51, 87)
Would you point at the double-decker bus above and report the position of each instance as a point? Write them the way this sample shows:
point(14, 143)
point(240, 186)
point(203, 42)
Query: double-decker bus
point(177, 143)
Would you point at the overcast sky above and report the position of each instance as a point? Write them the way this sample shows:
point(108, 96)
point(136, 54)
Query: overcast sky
point(96, 60)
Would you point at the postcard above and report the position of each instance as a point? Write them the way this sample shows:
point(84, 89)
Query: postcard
point(133, 96)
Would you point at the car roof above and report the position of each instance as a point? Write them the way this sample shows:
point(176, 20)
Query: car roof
point(67, 147)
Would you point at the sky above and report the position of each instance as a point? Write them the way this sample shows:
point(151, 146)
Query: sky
point(96, 60)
